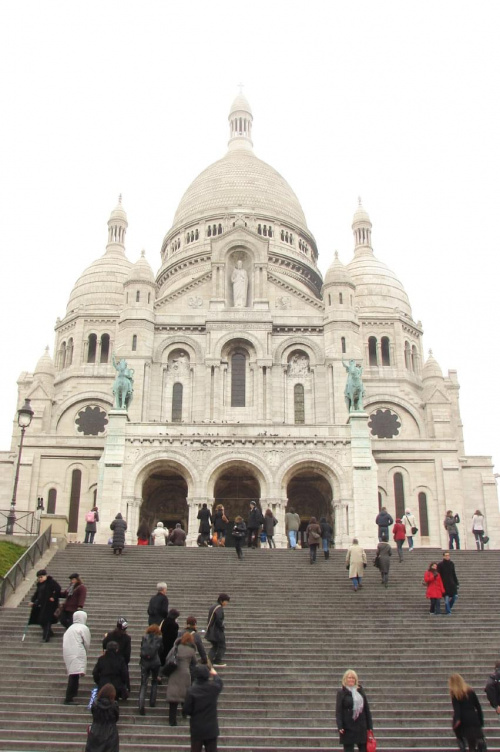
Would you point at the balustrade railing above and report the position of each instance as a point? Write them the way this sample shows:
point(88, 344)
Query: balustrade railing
point(18, 572)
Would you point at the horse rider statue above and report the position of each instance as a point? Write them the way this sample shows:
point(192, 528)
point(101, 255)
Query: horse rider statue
point(354, 390)
point(123, 385)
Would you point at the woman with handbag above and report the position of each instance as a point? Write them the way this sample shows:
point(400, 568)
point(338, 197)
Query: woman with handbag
point(478, 529)
point(468, 718)
point(220, 521)
point(383, 561)
point(151, 645)
point(180, 680)
point(354, 719)
point(313, 535)
point(411, 528)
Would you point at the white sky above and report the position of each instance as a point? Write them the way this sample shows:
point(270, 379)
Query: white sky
point(395, 101)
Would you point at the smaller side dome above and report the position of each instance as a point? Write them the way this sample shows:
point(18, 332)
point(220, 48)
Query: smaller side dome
point(118, 212)
point(337, 274)
point(360, 215)
point(45, 365)
point(431, 369)
point(240, 104)
point(141, 271)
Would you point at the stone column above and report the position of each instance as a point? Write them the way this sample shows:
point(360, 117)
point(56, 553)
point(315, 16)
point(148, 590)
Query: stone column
point(110, 485)
point(278, 507)
point(364, 482)
point(194, 506)
point(134, 506)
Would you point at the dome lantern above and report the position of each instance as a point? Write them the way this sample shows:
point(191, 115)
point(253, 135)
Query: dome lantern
point(240, 124)
point(362, 229)
point(117, 227)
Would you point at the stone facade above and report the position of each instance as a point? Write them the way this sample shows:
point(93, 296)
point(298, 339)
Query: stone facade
point(238, 347)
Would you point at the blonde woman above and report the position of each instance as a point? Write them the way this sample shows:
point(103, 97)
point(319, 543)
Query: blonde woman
point(354, 718)
point(468, 718)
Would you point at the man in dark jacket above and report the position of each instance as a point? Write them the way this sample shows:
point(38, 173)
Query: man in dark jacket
point(446, 569)
point(255, 520)
point(158, 605)
point(191, 628)
point(177, 536)
point(123, 640)
point(384, 521)
point(112, 669)
point(44, 601)
point(492, 689)
point(201, 705)
point(205, 519)
point(215, 631)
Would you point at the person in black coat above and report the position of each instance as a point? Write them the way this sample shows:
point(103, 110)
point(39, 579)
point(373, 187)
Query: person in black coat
point(158, 605)
point(215, 631)
point(103, 734)
point(169, 633)
point(446, 569)
point(118, 526)
point(384, 521)
point(112, 669)
point(44, 601)
point(191, 622)
point(123, 640)
point(353, 715)
point(468, 718)
point(255, 520)
point(326, 536)
point(239, 532)
point(205, 519)
point(201, 705)
point(492, 689)
point(151, 645)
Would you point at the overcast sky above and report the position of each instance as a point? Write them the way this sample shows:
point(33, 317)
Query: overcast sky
point(394, 101)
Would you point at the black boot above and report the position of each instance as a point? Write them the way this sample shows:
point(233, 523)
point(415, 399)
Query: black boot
point(172, 714)
point(152, 698)
point(46, 632)
point(142, 698)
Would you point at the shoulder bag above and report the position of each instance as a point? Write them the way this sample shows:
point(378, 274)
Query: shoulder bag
point(371, 742)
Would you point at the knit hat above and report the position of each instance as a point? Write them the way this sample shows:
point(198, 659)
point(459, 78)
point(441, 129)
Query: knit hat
point(74, 576)
point(122, 623)
point(253, 503)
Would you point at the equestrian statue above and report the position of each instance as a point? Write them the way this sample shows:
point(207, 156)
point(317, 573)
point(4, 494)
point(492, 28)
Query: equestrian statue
point(354, 390)
point(123, 385)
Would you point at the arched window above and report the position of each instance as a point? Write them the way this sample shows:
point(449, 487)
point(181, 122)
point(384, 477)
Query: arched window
point(74, 501)
point(69, 352)
point(298, 403)
point(177, 402)
point(372, 351)
point(407, 355)
point(137, 296)
point(422, 511)
point(414, 359)
point(51, 501)
point(92, 348)
point(270, 231)
point(386, 354)
point(399, 494)
point(282, 235)
point(329, 299)
point(265, 231)
point(379, 501)
point(220, 230)
point(259, 230)
point(209, 231)
point(238, 380)
point(134, 342)
point(341, 299)
point(104, 348)
point(342, 343)
point(63, 355)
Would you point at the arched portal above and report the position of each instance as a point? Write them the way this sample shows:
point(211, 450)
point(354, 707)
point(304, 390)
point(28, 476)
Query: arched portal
point(310, 494)
point(235, 488)
point(164, 495)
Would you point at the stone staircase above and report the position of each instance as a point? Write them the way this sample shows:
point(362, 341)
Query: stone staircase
point(292, 631)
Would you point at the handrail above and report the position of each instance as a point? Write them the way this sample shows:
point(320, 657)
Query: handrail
point(27, 523)
point(27, 561)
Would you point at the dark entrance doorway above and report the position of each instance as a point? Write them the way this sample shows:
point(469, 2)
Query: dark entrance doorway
point(235, 489)
point(164, 499)
point(310, 495)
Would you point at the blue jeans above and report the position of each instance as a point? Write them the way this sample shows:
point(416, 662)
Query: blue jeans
point(449, 600)
point(409, 538)
point(292, 537)
point(356, 581)
point(454, 537)
point(325, 544)
point(399, 544)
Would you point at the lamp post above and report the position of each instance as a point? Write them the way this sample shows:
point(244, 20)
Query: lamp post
point(24, 418)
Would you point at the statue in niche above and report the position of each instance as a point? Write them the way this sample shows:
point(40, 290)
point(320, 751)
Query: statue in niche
point(299, 365)
point(180, 363)
point(123, 385)
point(354, 390)
point(239, 278)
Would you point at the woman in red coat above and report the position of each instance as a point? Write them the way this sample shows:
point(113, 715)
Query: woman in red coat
point(435, 588)
point(399, 535)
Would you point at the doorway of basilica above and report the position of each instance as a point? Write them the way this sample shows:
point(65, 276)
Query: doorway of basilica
point(310, 495)
point(235, 489)
point(164, 495)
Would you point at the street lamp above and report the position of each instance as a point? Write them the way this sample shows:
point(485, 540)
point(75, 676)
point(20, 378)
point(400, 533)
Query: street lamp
point(24, 418)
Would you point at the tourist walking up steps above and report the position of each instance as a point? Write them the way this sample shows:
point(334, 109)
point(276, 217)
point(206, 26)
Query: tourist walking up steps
point(399, 535)
point(446, 569)
point(201, 705)
point(180, 680)
point(191, 622)
point(384, 521)
point(150, 665)
point(492, 689)
point(356, 564)
point(313, 535)
point(158, 605)
point(255, 520)
point(169, 632)
point(44, 602)
point(220, 522)
point(270, 523)
point(159, 534)
point(435, 588)
point(205, 518)
point(450, 525)
point(91, 520)
point(75, 596)
point(411, 529)
point(123, 640)
point(76, 643)
point(215, 633)
point(111, 668)
point(239, 534)
point(292, 525)
point(326, 536)
point(383, 555)
point(103, 733)
point(118, 526)
point(354, 719)
point(468, 718)
point(478, 529)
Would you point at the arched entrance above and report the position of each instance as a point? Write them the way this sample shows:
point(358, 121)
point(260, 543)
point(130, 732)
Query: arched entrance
point(235, 489)
point(164, 495)
point(310, 495)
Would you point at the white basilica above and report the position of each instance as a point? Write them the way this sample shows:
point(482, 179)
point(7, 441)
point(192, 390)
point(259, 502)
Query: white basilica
point(238, 349)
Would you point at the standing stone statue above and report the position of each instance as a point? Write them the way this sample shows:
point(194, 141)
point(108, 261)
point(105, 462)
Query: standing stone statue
point(354, 390)
point(239, 278)
point(123, 385)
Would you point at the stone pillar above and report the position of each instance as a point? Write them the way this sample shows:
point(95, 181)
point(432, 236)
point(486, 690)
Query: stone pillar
point(110, 485)
point(134, 506)
point(278, 507)
point(364, 482)
point(194, 506)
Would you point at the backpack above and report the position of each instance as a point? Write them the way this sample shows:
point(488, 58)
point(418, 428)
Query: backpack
point(90, 517)
point(150, 646)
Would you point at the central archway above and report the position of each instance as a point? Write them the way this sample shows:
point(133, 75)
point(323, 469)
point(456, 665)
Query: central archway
point(235, 488)
point(310, 495)
point(164, 495)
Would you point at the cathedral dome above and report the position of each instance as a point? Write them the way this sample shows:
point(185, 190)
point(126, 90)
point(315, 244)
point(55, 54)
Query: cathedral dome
point(337, 273)
point(141, 271)
point(45, 365)
point(431, 369)
point(101, 284)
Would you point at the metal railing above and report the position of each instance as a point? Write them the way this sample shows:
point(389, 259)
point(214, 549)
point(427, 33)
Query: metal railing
point(27, 523)
point(19, 571)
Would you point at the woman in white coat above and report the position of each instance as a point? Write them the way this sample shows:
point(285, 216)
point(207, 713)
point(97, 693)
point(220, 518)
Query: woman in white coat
point(410, 524)
point(160, 535)
point(356, 563)
point(76, 642)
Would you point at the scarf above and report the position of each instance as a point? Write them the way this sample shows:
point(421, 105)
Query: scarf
point(358, 703)
point(71, 588)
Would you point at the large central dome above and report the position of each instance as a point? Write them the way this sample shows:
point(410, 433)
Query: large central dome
point(240, 182)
